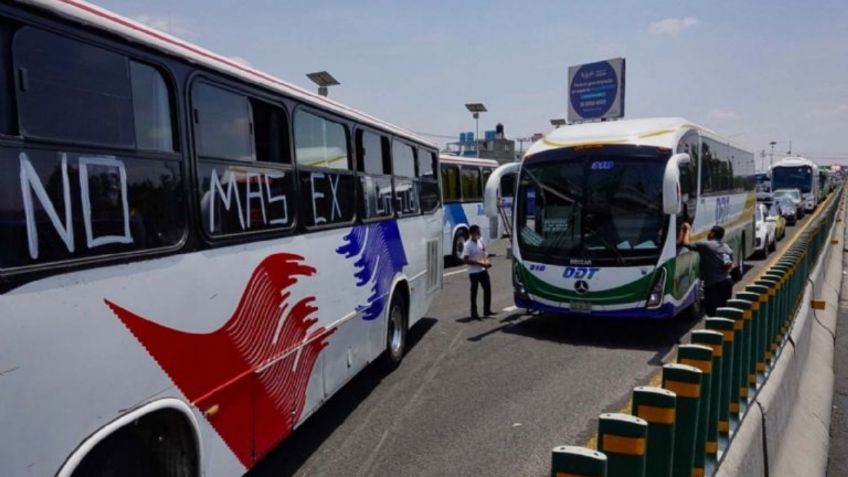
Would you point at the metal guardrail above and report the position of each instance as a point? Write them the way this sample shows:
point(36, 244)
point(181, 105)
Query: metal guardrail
point(683, 428)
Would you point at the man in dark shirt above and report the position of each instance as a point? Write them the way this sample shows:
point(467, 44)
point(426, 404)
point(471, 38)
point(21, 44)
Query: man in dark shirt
point(716, 265)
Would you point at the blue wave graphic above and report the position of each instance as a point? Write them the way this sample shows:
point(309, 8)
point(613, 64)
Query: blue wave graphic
point(381, 257)
point(455, 215)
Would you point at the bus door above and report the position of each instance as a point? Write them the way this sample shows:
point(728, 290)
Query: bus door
point(686, 263)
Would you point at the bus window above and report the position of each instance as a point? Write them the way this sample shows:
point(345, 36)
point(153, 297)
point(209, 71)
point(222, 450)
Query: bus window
point(372, 153)
point(403, 160)
point(450, 183)
point(72, 91)
point(486, 173)
point(151, 108)
point(270, 136)
point(375, 183)
point(326, 194)
point(319, 142)
point(403, 169)
point(223, 123)
point(429, 183)
point(471, 190)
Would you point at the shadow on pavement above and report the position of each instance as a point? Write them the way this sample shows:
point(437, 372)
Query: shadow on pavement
point(651, 335)
point(292, 453)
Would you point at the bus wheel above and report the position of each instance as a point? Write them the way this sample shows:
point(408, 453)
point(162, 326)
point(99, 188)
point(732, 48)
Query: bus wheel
point(124, 454)
point(458, 244)
point(396, 332)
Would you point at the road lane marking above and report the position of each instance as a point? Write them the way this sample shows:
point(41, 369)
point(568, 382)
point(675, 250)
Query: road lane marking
point(455, 272)
point(510, 309)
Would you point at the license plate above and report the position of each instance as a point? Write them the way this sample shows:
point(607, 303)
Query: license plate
point(581, 307)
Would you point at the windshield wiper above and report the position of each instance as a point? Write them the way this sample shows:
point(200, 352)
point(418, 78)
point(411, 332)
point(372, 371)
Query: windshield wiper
point(618, 256)
point(551, 190)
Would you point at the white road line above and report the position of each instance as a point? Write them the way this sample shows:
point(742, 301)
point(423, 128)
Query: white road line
point(455, 272)
point(510, 309)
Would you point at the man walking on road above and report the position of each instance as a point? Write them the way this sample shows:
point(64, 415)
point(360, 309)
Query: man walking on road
point(716, 265)
point(477, 260)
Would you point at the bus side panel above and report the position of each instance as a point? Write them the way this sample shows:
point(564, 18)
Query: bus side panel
point(173, 320)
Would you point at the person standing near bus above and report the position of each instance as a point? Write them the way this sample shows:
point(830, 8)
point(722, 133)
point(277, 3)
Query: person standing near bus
point(716, 266)
point(477, 261)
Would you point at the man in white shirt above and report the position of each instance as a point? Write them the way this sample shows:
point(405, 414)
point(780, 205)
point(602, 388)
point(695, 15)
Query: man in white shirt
point(477, 260)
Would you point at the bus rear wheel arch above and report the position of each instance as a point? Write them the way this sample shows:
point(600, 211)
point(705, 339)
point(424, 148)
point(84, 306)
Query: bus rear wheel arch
point(459, 239)
point(397, 327)
point(160, 443)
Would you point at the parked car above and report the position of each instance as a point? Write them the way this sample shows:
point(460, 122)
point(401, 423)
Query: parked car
point(796, 197)
point(787, 210)
point(775, 216)
point(764, 232)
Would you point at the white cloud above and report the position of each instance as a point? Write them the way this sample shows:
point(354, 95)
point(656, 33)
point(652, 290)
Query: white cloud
point(672, 26)
point(170, 25)
point(721, 115)
point(836, 111)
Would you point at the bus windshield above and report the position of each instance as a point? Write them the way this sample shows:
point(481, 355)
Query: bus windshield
point(792, 177)
point(592, 207)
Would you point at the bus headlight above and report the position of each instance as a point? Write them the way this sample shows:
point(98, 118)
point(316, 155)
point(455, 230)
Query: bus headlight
point(657, 291)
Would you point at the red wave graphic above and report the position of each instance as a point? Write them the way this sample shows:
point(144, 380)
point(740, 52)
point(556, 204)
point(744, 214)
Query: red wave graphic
point(255, 368)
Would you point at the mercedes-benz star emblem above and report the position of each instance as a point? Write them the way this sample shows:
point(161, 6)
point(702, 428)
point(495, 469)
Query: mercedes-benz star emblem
point(581, 287)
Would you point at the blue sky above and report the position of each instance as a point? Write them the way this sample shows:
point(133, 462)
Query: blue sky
point(757, 71)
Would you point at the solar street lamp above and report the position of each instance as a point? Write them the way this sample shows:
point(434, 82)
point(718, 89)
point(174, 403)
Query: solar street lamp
point(323, 80)
point(476, 109)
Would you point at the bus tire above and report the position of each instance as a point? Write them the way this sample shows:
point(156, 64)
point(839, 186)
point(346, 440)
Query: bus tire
point(459, 240)
point(396, 328)
point(124, 455)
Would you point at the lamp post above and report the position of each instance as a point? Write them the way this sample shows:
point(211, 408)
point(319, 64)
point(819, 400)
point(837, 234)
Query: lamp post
point(771, 154)
point(476, 109)
point(557, 122)
point(323, 80)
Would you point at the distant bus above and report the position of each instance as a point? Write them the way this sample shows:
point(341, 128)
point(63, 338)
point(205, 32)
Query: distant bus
point(798, 173)
point(194, 255)
point(598, 210)
point(825, 183)
point(463, 180)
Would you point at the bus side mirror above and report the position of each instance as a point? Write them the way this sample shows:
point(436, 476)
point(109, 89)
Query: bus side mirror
point(491, 194)
point(671, 184)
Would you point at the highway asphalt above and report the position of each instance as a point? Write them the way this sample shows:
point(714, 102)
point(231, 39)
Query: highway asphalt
point(488, 397)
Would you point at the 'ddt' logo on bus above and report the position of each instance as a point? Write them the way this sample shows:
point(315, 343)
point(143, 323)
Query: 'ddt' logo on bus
point(580, 272)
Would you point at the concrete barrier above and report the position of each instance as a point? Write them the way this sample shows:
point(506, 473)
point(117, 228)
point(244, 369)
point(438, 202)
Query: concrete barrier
point(771, 354)
point(786, 430)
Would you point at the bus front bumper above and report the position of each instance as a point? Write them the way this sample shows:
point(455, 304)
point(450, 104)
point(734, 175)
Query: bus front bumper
point(664, 312)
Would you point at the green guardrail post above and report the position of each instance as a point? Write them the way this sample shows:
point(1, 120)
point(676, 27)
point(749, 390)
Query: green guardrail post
point(780, 311)
point(771, 339)
point(762, 326)
point(657, 407)
point(573, 461)
point(745, 345)
point(737, 371)
point(714, 340)
point(753, 327)
point(725, 327)
point(684, 381)
point(700, 357)
point(623, 438)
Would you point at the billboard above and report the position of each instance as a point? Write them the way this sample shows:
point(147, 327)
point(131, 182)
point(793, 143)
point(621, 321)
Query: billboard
point(596, 90)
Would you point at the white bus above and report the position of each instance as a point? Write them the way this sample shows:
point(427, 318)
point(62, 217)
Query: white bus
point(797, 173)
point(598, 209)
point(194, 255)
point(463, 180)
